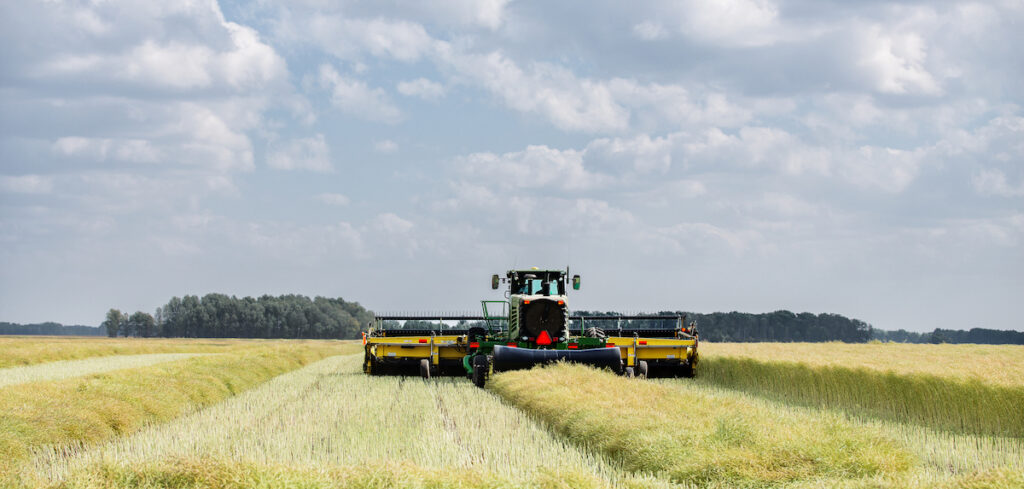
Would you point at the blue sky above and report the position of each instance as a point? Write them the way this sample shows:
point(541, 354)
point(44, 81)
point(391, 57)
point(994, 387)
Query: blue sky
point(862, 158)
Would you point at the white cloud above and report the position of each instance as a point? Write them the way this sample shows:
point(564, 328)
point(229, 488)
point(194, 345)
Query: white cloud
point(646, 154)
point(535, 167)
point(422, 88)
point(333, 199)
point(895, 62)
point(569, 102)
point(26, 184)
point(887, 169)
point(356, 98)
point(993, 182)
point(391, 224)
point(99, 149)
point(485, 13)
point(385, 146)
point(243, 63)
point(347, 38)
point(650, 31)
point(730, 22)
point(302, 154)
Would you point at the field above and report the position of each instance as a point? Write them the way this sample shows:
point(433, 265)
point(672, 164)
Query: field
point(283, 413)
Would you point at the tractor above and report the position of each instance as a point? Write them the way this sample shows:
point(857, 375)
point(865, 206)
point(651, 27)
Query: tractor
point(533, 326)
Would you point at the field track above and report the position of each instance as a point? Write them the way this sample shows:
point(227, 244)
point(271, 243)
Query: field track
point(66, 369)
point(29, 350)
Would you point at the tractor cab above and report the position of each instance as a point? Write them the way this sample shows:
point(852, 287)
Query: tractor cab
point(529, 282)
point(536, 282)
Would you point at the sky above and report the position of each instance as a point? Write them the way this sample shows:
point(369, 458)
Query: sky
point(861, 158)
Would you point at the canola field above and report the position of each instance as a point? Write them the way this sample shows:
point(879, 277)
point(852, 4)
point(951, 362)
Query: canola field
point(238, 413)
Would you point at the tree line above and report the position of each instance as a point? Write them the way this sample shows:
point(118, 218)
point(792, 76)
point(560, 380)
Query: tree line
point(981, 336)
point(49, 329)
point(297, 316)
point(222, 316)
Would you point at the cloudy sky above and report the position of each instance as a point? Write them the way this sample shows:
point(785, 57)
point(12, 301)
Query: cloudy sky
point(863, 158)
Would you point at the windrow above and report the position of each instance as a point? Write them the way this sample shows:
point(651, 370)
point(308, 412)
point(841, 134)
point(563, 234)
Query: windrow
point(696, 436)
point(941, 402)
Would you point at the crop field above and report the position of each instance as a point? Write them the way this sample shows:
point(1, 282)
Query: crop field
point(302, 414)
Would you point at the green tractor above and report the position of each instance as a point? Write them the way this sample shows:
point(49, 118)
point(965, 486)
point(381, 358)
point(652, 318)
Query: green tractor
point(533, 327)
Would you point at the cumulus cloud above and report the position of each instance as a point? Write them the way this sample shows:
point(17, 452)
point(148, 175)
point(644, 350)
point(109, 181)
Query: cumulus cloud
point(302, 154)
point(348, 38)
point(27, 184)
point(422, 88)
point(993, 182)
point(895, 62)
point(333, 199)
point(730, 22)
point(533, 168)
point(385, 146)
point(241, 61)
point(570, 102)
point(354, 97)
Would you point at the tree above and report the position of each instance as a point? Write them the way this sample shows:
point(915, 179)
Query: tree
point(113, 323)
point(142, 324)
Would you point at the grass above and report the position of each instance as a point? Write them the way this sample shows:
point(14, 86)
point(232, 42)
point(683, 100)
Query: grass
point(329, 425)
point(29, 350)
point(886, 387)
point(65, 369)
point(946, 459)
point(697, 436)
point(62, 415)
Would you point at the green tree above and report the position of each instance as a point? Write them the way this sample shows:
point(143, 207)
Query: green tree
point(142, 324)
point(113, 323)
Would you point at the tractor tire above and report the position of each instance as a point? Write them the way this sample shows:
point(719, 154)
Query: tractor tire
point(641, 368)
point(686, 370)
point(629, 373)
point(481, 370)
point(425, 369)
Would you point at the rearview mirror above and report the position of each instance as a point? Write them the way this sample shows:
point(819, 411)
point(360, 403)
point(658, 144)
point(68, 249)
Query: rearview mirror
point(575, 282)
point(494, 281)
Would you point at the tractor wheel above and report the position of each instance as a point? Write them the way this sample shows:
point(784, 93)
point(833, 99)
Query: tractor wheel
point(641, 368)
point(481, 370)
point(686, 370)
point(629, 373)
point(425, 368)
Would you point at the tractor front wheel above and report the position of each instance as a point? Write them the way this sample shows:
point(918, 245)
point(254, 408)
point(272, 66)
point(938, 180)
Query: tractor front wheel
point(481, 370)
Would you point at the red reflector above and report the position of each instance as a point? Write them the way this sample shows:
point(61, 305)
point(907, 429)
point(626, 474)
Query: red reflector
point(644, 342)
point(511, 344)
point(561, 303)
point(544, 338)
point(573, 346)
point(526, 302)
point(611, 345)
point(474, 345)
point(423, 340)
